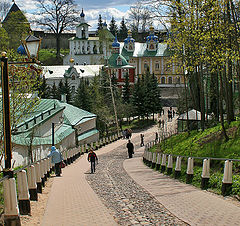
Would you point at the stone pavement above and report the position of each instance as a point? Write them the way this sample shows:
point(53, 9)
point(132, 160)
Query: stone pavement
point(190, 204)
point(72, 201)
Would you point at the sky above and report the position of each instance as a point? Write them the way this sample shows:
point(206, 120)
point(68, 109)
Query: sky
point(92, 9)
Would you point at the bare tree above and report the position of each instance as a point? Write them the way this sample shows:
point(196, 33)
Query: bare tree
point(56, 16)
point(4, 7)
point(139, 17)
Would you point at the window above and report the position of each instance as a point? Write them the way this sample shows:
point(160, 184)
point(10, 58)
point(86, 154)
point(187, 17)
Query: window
point(177, 80)
point(73, 77)
point(124, 73)
point(146, 67)
point(119, 61)
point(157, 66)
point(169, 80)
point(163, 80)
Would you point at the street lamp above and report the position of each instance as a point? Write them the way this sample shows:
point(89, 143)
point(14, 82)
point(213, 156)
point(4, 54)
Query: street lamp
point(31, 45)
point(61, 118)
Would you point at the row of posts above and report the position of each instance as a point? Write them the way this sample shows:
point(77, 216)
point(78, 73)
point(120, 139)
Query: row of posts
point(31, 181)
point(164, 162)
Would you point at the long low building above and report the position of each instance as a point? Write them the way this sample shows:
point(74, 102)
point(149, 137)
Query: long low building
point(33, 137)
point(73, 74)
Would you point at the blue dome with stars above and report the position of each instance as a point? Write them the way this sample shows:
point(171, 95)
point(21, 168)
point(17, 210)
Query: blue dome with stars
point(116, 43)
point(129, 38)
point(151, 36)
point(21, 50)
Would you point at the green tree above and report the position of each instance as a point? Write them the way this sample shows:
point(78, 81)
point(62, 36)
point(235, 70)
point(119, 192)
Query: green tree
point(126, 90)
point(82, 99)
point(4, 39)
point(113, 27)
point(60, 90)
point(54, 92)
point(17, 28)
point(67, 90)
point(44, 89)
point(100, 23)
point(123, 31)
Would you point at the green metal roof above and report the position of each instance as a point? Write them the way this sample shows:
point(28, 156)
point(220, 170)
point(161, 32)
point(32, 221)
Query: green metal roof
point(87, 134)
point(112, 61)
point(72, 116)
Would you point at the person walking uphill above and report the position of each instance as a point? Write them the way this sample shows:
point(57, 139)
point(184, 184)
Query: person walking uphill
point(92, 157)
point(56, 159)
point(130, 148)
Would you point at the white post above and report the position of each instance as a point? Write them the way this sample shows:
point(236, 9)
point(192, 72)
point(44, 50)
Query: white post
point(205, 173)
point(178, 167)
point(163, 165)
point(32, 183)
point(170, 164)
point(158, 161)
point(227, 178)
point(11, 212)
point(189, 170)
point(38, 177)
point(23, 195)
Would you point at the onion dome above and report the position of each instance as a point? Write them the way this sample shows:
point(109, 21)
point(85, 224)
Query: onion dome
point(152, 36)
point(71, 60)
point(105, 24)
point(116, 44)
point(82, 14)
point(129, 38)
point(21, 50)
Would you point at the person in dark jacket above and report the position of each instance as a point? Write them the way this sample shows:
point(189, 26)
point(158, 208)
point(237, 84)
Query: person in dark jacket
point(142, 140)
point(92, 157)
point(130, 148)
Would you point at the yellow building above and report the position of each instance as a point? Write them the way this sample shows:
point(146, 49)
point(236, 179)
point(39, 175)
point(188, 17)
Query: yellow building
point(152, 56)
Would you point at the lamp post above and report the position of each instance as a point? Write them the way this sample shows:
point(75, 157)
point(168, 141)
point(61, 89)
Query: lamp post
point(6, 115)
point(61, 118)
point(31, 45)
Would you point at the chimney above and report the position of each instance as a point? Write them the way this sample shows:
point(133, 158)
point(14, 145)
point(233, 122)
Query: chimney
point(64, 98)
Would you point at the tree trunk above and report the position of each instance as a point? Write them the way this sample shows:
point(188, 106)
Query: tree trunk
point(221, 108)
point(58, 47)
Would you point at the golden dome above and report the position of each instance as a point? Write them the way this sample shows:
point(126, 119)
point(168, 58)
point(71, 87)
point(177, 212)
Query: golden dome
point(151, 28)
point(71, 60)
point(129, 31)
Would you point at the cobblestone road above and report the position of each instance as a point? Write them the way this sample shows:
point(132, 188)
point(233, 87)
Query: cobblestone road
point(129, 202)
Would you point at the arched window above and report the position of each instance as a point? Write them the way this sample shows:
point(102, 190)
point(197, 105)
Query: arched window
point(83, 32)
point(73, 77)
point(177, 80)
point(169, 80)
point(146, 67)
point(163, 80)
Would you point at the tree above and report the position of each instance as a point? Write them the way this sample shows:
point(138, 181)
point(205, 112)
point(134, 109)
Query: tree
point(56, 16)
point(67, 90)
point(113, 27)
point(126, 90)
point(123, 31)
point(54, 92)
point(4, 39)
point(82, 98)
point(100, 23)
point(4, 7)
point(44, 89)
point(17, 28)
point(60, 90)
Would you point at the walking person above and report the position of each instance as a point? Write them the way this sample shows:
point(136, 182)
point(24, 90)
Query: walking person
point(56, 159)
point(156, 139)
point(142, 140)
point(130, 148)
point(92, 157)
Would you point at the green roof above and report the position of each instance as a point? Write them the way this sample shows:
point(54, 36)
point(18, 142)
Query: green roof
point(87, 134)
point(112, 61)
point(72, 116)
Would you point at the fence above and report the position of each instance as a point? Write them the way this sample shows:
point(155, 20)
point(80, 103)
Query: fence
point(159, 161)
point(30, 180)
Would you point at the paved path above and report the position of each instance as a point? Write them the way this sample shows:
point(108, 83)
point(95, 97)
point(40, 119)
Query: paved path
point(72, 202)
point(190, 204)
point(71, 199)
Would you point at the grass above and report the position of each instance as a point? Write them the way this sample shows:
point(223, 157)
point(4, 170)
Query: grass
point(48, 56)
point(138, 124)
point(207, 143)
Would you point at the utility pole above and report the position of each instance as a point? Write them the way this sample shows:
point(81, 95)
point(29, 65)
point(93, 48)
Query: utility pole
point(113, 101)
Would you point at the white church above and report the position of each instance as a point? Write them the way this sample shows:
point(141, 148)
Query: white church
point(87, 50)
